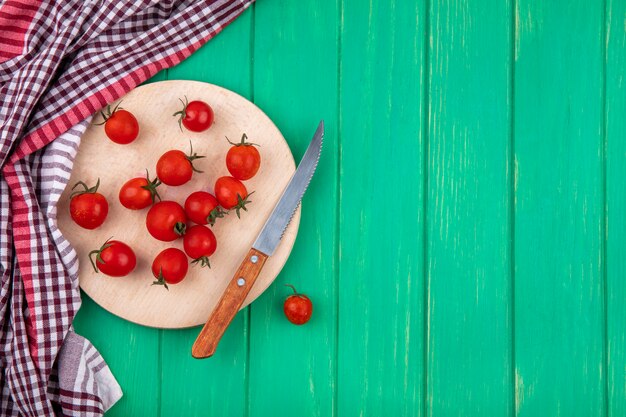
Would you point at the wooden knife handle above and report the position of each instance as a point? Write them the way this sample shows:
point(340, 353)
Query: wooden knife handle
point(229, 304)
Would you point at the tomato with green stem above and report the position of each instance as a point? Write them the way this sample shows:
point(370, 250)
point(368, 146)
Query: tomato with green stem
point(175, 168)
point(166, 221)
point(139, 193)
point(243, 159)
point(298, 308)
point(196, 116)
point(88, 208)
point(232, 194)
point(199, 243)
point(119, 125)
point(113, 258)
point(169, 267)
point(202, 208)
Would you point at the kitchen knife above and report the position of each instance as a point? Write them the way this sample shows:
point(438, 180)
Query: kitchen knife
point(264, 246)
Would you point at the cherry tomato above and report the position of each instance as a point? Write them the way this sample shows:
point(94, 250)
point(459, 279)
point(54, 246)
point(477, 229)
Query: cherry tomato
point(202, 208)
point(114, 258)
point(120, 125)
point(169, 267)
point(199, 243)
point(88, 208)
point(176, 168)
point(243, 159)
point(231, 194)
point(166, 221)
point(139, 193)
point(297, 307)
point(196, 116)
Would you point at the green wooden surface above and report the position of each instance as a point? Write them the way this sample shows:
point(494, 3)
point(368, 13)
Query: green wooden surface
point(615, 204)
point(468, 210)
point(559, 211)
point(381, 309)
point(463, 239)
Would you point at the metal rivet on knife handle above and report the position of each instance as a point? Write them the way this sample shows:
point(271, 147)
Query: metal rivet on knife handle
point(229, 304)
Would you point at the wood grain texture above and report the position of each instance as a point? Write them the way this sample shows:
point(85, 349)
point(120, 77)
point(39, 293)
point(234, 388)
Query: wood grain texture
point(469, 281)
point(293, 368)
point(238, 288)
point(381, 313)
point(215, 387)
point(559, 217)
point(616, 205)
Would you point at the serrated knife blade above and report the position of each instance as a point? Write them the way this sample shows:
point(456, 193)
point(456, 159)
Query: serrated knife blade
point(279, 219)
point(264, 246)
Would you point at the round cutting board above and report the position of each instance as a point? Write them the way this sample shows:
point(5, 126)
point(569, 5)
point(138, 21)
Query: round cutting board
point(190, 302)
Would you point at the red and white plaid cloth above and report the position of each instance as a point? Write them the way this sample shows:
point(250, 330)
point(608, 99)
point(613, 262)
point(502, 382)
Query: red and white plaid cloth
point(60, 62)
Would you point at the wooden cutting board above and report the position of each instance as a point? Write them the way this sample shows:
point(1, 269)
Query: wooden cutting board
point(190, 302)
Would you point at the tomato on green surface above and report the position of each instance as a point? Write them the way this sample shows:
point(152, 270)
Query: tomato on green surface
point(166, 221)
point(88, 208)
point(243, 159)
point(196, 116)
point(169, 267)
point(199, 243)
point(176, 168)
point(120, 125)
point(297, 307)
point(231, 194)
point(202, 208)
point(114, 258)
point(139, 193)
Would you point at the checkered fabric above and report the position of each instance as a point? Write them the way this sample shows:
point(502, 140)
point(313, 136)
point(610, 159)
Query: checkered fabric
point(60, 62)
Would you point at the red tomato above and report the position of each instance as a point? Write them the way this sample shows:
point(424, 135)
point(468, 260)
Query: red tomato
point(202, 208)
point(231, 194)
point(120, 125)
point(166, 221)
point(199, 243)
point(196, 116)
point(139, 193)
point(169, 267)
point(298, 307)
point(114, 258)
point(176, 168)
point(243, 159)
point(88, 208)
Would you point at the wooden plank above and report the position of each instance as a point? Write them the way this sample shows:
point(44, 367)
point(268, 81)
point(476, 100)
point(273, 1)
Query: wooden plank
point(224, 60)
point(559, 218)
point(214, 386)
point(120, 343)
point(380, 356)
point(616, 204)
point(292, 368)
point(469, 206)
